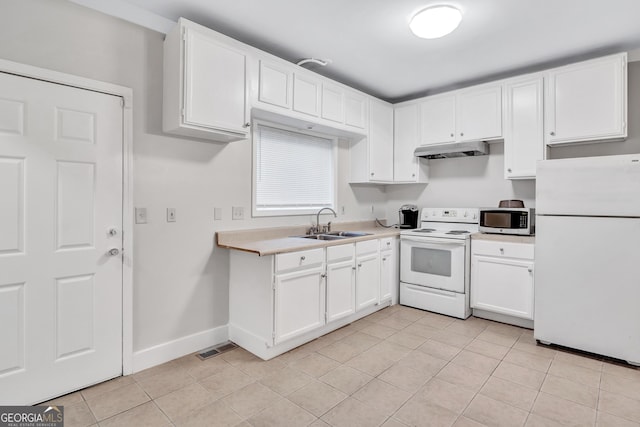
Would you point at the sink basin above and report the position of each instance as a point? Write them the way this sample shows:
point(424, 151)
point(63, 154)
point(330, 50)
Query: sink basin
point(323, 237)
point(348, 233)
point(335, 235)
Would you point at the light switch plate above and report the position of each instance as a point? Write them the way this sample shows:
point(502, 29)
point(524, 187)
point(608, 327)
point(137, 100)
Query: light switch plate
point(237, 212)
point(171, 214)
point(141, 215)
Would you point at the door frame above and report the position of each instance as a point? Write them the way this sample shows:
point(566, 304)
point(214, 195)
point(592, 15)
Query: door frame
point(126, 94)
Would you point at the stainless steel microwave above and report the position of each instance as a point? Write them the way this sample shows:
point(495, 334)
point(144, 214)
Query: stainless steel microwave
point(521, 221)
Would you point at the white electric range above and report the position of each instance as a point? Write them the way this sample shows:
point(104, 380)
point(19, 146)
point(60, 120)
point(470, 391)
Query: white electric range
point(435, 261)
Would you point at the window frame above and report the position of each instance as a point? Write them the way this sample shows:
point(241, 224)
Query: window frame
point(255, 212)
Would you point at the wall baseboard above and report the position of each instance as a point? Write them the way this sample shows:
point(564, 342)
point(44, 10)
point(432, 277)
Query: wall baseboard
point(161, 353)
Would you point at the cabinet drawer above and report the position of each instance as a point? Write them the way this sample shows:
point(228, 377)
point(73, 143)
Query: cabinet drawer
point(340, 253)
point(502, 249)
point(367, 247)
point(386, 244)
point(297, 260)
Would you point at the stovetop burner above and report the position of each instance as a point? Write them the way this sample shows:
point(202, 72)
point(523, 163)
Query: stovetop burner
point(458, 232)
point(425, 230)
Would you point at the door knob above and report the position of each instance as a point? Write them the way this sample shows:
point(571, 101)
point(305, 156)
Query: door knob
point(112, 232)
point(114, 252)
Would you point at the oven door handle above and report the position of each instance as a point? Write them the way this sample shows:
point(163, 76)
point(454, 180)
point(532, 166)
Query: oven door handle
point(431, 241)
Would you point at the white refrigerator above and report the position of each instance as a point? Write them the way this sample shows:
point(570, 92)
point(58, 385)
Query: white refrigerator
point(587, 255)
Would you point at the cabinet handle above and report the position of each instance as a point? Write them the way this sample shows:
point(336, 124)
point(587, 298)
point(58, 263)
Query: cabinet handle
point(372, 173)
point(388, 243)
point(384, 259)
point(359, 265)
point(552, 133)
point(502, 251)
point(323, 276)
point(530, 270)
point(461, 134)
point(451, 135)
point(353, 268)
point(413, 175)
point(509, 170)
point(302, 258)
point(246, 125)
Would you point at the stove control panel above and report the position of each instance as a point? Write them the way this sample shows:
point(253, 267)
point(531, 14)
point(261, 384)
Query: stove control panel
point(466, 215)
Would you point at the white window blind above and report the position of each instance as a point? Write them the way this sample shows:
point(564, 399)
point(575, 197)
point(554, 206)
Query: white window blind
point(294, 171)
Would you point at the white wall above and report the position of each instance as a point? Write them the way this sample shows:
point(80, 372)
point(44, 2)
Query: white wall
point(181, 278)
point(479, 182)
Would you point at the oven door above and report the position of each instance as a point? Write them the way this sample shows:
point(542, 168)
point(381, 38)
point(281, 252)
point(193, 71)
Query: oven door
point(432, 262)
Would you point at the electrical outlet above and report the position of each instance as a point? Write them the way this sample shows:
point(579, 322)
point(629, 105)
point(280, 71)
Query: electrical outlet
point(171, 214)
point(237, 212)
point(217, 214)
point(141, 215)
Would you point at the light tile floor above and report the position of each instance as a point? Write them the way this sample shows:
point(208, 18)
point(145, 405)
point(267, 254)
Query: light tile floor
point(397, 367)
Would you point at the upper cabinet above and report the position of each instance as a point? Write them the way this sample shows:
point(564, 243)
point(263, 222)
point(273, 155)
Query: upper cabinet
point(587, 101)
point(355, 108)
point(275, 84)
point(332, 103)
point(205, 85)
point(473, 114)
point(523, 126)
point(306, 94)
point(372, 157)
point(406, 135)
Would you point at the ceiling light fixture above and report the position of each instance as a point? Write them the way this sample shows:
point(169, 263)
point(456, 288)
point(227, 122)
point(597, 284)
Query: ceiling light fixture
point(435, 21)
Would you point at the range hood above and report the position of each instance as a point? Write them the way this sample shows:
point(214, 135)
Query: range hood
point(452, 149)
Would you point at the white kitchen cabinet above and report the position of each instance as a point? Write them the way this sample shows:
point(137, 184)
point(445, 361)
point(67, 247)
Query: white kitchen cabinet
point(278, 302)
point(502, 281)
point(275, 84)
point(523, 127)
point(587, 101)
point(341, 285)
point(479, 113)
point(356, 110)
point(473, 114)
point(406, 166)
point(438, 119)
point(389, 270)
point(306, 94)
point(205, 84)
point(367, 273)
point(299, 301)
point(332, 103)
point(372, 158)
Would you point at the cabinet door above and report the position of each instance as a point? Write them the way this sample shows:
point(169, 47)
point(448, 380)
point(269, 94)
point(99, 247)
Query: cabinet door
point(215, 81)
point(502, 286)
point(381, 142)
point(587, 101)
point(355, 110)
point(438, 120)
point(299, 303)
point(479, 114)
point(388, 275)
point(406, 137)
point(341, 291)
point(367, 280)
point(275, 84)
point(306, 95)
point(524, 128)
point(332, 103)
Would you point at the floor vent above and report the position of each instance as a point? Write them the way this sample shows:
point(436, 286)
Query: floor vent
point(216, 350)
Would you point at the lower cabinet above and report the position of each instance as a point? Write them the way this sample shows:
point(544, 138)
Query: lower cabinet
point(502, 281)
point(299, 301)
point(279, 302)
point(367, 273)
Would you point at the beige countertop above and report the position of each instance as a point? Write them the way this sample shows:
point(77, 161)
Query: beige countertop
point(276, 240)
point(503, 238)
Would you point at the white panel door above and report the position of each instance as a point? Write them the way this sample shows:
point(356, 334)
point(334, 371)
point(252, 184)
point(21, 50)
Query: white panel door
point(61, 193)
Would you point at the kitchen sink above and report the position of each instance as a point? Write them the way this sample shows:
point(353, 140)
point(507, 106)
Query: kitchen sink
point(335, 235)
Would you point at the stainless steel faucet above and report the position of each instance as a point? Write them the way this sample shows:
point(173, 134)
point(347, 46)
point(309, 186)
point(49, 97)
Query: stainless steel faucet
point(317, 228)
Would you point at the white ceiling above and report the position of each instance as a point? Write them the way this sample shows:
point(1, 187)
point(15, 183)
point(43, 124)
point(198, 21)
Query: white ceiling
point(372, 48)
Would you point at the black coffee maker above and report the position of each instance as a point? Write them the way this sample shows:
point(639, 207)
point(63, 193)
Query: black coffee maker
point(408, 216)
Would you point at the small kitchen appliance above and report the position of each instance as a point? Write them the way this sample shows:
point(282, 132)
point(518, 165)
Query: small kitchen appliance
point(435, 261)
point(408, 216)
point(519, 221)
